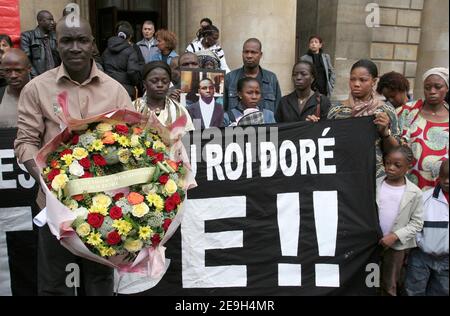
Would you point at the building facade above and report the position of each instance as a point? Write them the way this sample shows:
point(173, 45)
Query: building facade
point(407, 36)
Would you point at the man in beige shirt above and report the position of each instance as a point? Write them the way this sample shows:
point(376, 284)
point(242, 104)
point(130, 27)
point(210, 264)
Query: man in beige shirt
point(17, 68)
point(90, 92)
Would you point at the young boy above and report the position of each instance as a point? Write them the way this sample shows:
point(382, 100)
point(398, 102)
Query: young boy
point(427, 272)
point(400, 214)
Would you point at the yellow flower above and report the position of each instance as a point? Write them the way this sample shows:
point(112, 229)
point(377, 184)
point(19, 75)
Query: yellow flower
point(156, 201)
point(84, 230)
point(59, 182)
point(140, 210)
point(68, 159)
point(106, 251)
point(46, 171)
point(101, 200)
point(124, 141)
point(138, 152)
point(98, 209)
point(145, 232)
point(97, 145)
point(124, 155)
point(135, 141)
point(133, 245)
point(158, 145)
point(170, 187)
point(147, 144)
point(104, 127)
point(94, 239)
point(123, 227)
point(80, 153)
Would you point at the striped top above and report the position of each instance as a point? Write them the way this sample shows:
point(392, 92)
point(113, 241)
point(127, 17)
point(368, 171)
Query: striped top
point(196, 46)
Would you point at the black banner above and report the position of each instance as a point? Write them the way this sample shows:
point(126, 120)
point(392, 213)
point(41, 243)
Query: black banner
point(18, 241)
point(279, 210)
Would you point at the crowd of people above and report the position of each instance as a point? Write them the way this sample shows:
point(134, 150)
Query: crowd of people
point(411, 149)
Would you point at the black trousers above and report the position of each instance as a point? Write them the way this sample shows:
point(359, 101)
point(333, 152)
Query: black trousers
point(95, 279)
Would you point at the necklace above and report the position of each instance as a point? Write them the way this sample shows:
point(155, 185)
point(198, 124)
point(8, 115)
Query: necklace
point(301, 101)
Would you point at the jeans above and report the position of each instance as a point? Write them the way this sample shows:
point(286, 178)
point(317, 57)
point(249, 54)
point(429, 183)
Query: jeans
point(426, 275)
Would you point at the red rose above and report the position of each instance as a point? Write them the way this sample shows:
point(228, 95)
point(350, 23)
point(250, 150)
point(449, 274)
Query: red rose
point(75, 139)
point(78, 198)
point(122, 129)
point(66, 152)
point(166, 224)
point(159, 157)
point(163, 179)
point(115, 213)
point(169, 205)
point(99, 161)
point(87, 175)
point(85, 163)
point(156, 240)
point(176, 198)
point(150, 152)
point(95, 220)
point(113, 238)
point(118, 196)
point(53, 174)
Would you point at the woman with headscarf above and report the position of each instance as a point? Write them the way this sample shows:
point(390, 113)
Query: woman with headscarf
point(364, 102)
point(208, 60)
point(425, 127)
point(157, 78)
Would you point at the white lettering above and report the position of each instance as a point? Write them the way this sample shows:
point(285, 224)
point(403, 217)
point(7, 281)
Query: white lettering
point(307, 154)
point(195, 241)
point(231, 149)
point(268, 161)
point(214, 157)
point(6, 184)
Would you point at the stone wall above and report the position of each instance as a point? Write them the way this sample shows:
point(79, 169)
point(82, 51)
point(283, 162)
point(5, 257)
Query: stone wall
point(395, 43)
point(272, 21)
point(30, 8)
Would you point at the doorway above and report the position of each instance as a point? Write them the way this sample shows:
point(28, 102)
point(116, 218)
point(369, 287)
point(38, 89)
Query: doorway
point(106, 13)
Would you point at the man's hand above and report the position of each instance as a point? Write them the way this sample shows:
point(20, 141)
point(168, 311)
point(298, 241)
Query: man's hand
point(389, 240)
point(32, 169)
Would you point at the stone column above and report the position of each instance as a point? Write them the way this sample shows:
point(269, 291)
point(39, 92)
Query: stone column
point(273, 23)
point(434, 47)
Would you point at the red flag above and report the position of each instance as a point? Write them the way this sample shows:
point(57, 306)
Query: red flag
point(10, 17)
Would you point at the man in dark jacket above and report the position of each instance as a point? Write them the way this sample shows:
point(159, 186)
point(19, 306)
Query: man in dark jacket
point(270, 88)
point(40, 45)
point(120, 61)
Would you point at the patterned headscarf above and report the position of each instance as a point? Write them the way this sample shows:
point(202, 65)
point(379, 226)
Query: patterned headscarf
point(205, 56)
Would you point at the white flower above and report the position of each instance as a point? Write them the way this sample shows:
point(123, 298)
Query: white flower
point(76, 169)
point(135, 141)
point(81, 212)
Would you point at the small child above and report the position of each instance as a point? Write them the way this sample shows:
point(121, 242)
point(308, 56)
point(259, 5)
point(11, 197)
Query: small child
point(427, 271)
point(400, 213)
point(248, 111)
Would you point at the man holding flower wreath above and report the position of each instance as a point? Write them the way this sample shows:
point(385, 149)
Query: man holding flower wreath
point(90, 92)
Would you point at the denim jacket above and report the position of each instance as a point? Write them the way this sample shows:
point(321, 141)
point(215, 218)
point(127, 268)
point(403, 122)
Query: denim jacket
point(32, 44)
point(271, 93)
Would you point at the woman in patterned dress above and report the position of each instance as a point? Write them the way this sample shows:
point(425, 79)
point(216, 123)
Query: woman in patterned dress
point(364, 102)
point(425, 127)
